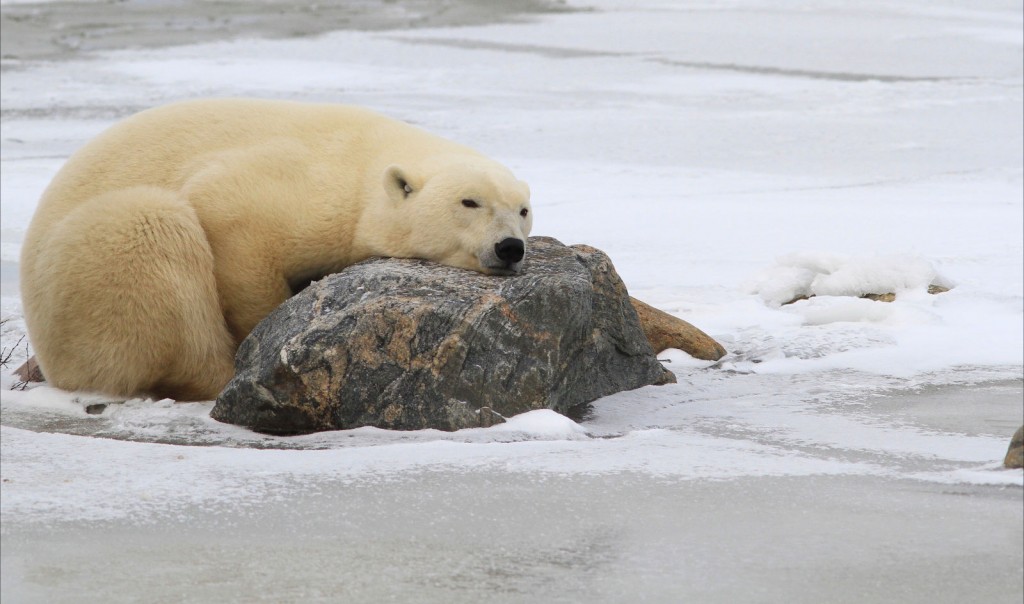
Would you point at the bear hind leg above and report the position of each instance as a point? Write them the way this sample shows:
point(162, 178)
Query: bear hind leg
point(132, 302)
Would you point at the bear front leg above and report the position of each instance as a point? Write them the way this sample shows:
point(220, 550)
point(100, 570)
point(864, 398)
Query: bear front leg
point(249, 289)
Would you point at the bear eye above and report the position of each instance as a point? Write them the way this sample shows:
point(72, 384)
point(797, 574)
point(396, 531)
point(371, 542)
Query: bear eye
point(469, 203)
point(524, 212)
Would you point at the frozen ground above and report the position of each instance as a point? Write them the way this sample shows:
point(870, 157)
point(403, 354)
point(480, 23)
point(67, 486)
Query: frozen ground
point(726, 155)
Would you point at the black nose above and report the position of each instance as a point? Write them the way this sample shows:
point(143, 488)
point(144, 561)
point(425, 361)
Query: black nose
point(510, 250)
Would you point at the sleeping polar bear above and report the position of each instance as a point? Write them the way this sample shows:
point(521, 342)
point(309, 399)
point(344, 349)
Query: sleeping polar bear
point(163, 242)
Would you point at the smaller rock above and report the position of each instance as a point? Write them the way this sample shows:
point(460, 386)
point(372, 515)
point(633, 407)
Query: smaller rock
point(889, 297)
point(664, 331)
point(96, 408)
point(29, 371)
point(886, 297)
point(1015, 454)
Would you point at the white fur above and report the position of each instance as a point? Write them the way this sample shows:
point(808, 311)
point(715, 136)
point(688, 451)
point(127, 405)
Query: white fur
point(160, 244)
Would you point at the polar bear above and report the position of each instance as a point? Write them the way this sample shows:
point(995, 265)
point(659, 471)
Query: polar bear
point(162, 243)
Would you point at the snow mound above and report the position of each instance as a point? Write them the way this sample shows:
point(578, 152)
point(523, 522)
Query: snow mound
point(826, 274)
point(543, 424)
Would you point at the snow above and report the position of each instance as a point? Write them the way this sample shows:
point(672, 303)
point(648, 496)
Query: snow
point(728, 156)
point(807, 274)
point(543, 423)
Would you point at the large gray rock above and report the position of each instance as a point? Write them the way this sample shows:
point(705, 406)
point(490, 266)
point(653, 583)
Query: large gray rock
point(407, 344)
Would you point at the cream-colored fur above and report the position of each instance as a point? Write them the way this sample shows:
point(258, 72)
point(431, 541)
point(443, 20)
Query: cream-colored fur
point(164, 241)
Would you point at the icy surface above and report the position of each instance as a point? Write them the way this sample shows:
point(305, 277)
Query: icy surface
point(729, 157)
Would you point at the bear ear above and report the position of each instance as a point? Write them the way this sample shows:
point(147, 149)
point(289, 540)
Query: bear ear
point(397, 184)
point(525, 188)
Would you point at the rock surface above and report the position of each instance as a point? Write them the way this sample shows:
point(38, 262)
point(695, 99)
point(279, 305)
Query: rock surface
point(407, 344)
point(933, 289)
point(1015, 454)
point(664, 331)
point(29, 371)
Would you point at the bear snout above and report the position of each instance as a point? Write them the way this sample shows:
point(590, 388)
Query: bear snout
point(510, 250)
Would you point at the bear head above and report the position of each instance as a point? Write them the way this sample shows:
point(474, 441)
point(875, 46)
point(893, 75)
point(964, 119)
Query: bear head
point(468, 212)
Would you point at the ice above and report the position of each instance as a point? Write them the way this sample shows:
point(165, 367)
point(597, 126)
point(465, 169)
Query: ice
point(729, 156)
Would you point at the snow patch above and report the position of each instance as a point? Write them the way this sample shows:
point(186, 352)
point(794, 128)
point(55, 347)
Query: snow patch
point(806, 274)
point(542, 424)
